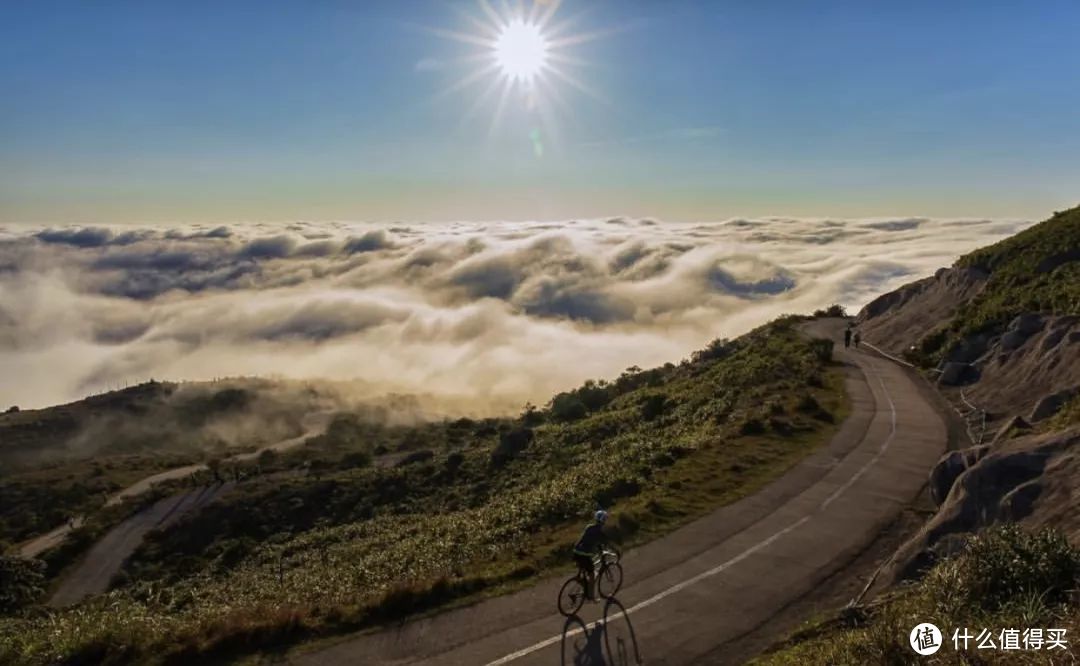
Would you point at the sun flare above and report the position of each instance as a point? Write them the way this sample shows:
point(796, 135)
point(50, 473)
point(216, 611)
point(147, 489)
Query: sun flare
point(522, 65)
point(521, 51)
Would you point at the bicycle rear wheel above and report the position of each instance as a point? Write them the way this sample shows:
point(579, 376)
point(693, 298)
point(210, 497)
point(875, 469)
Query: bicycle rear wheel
point(609, 580)
point(571, 596)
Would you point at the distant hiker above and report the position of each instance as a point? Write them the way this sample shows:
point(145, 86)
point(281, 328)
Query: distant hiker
point(587, 547)
point(856, 339)
point(847, 336)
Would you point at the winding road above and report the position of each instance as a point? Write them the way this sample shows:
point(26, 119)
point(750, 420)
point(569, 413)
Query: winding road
point(106, 557)
point(313, 424)
point(688, 595)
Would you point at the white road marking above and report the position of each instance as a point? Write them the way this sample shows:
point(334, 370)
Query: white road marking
point(738, 558)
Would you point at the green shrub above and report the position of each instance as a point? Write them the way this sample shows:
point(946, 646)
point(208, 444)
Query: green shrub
point(567, 407)
point(511, 444)
point(823, 349)
point(21, 582)
point(834, 310)
point(1002, 565)
point(653, 406)
point(1004, 577)
point(752, 426)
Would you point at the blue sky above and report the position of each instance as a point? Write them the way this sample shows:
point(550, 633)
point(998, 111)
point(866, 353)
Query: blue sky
point(145, 111)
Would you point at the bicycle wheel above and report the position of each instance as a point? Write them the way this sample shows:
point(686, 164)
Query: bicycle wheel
point(609, 580)
point(571, 596)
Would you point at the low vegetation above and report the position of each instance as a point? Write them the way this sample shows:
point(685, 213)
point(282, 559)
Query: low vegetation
point(153, 418)
point(35, 501)
point(1005, 578)
point(373, 521)
point(66, 461)
point(1037, 270)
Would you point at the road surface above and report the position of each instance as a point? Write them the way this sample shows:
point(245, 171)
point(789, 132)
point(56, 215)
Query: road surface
point(105, 558)
point(313, 424)
point(687, 595)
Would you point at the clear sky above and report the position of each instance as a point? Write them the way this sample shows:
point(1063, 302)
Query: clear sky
point(147, 111)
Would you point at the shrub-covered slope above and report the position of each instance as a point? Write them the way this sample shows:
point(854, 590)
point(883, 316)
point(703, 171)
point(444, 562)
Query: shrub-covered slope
point(327, 543)
point(1003, 579)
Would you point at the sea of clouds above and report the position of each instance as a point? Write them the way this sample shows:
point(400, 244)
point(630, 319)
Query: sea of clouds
point(482, 317)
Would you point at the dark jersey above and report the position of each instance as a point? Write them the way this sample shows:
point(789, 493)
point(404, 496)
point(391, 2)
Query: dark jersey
point(590, 539)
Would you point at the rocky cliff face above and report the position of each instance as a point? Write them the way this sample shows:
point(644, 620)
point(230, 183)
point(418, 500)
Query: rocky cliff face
point(901, 319)
point(998, 332)
point(1033, 479)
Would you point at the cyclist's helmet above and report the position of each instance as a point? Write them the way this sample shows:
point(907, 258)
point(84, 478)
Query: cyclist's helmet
point(601, 516)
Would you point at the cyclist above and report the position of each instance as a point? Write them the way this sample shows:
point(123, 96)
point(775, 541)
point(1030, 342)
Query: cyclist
point(587, 547)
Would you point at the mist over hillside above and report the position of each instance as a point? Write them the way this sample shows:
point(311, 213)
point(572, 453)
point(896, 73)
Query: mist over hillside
point(484, 316)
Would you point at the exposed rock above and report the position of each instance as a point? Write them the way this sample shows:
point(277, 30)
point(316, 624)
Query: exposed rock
point(969, 350)
point(1015, 423)
point(901, 318)
point(1027, 324)
point(1012, 340)
point(1020, 501)
point(1049, 405)
point(1052, 339)
point(1013, 381)
point(1033, 479)
point(950, 467)
point(954, 373)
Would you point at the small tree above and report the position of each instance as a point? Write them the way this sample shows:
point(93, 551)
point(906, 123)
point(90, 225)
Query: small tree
point(511, 444)
point(530, 416)
point(567, 407)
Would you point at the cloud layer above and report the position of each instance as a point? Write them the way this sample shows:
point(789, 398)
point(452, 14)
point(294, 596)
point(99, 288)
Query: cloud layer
point(479, 315)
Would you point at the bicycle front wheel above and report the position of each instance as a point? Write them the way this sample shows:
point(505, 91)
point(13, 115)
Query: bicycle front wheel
point(609, 580)
point(571, 596)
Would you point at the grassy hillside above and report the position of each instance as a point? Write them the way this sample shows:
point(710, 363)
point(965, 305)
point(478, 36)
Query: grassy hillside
point(66, 460)
point(325, 542)
point(1005, 578)
point(1037, 270)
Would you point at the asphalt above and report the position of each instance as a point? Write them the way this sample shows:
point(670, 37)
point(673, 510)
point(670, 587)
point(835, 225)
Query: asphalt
point(105, 558)
point(313, 424)
point(689, 594)
point(94, 572)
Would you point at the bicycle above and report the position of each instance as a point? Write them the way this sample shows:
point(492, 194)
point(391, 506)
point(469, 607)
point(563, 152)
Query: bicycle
point(608, 579)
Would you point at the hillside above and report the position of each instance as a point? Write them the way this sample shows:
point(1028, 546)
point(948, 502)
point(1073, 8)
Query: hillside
point(64, 461)
point(322, 541)
point(999, 334)
point(1003, 321)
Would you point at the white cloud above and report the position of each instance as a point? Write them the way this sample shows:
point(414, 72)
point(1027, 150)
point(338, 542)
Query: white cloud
point(485, 315)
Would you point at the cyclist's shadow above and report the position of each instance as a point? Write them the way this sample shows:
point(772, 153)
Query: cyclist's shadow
point(609, 641)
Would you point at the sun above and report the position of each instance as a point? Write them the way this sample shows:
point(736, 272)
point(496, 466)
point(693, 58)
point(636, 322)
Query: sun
point(522, 63)
point(521, 51)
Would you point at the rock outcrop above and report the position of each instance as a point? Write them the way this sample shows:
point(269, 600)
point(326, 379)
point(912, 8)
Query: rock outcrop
point(900, 319)
point(1030, 480)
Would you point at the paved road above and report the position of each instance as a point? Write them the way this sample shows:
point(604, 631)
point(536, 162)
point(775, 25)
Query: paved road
point(105, 558)
point(313, 424)
point(688, 594)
